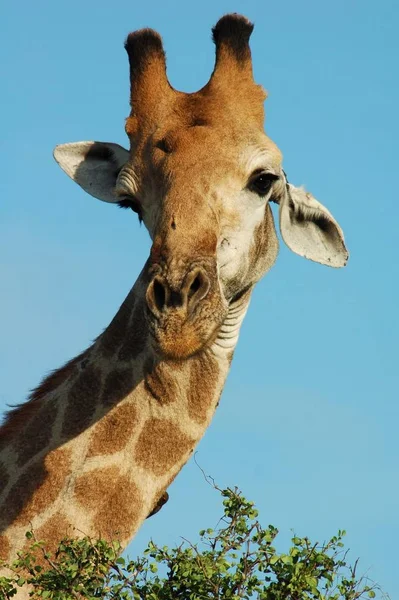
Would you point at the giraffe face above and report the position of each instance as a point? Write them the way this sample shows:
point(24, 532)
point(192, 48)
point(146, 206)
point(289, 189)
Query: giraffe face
point(203, 192)
point(201, 174)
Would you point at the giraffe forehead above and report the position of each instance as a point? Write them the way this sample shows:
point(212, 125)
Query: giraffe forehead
point(200, 128)
point(212, 154)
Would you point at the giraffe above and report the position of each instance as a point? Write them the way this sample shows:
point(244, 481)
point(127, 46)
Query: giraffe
point(95, 447)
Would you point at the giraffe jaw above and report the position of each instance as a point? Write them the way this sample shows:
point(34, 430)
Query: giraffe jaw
point(178, 336)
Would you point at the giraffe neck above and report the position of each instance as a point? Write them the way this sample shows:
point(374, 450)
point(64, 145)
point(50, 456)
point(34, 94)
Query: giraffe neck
point(102, 438)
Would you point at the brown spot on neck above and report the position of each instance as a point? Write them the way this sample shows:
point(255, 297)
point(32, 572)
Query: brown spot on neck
point(161, 446)
point(160, 380)
point(118, 384)
point(114, 431)
point(36, 489)
point(38, 433)
point(51, 533)
point(4, 476)
point(204, 377)
point(135, 337)
point(82, 400)
point(5, 548)
point(111, 340)
point(115, 501)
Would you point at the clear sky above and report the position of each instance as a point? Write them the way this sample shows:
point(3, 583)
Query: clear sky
point(308, 422)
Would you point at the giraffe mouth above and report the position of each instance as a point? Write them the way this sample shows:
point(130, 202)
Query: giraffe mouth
point(185, 304)
point(178, 335)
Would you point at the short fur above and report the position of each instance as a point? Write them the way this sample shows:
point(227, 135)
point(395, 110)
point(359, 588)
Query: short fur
point(234, 31)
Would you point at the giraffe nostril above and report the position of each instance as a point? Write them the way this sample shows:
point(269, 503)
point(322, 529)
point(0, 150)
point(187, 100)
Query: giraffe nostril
point(195, 286)
point(159, 294)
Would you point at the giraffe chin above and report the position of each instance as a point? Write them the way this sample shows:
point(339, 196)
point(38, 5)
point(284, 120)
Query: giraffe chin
point(179, 341)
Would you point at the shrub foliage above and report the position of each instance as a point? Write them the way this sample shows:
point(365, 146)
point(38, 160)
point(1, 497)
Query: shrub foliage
point(235, 560)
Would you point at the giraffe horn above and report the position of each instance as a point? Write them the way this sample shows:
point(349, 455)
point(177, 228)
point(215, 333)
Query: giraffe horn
point(149, 84)
point(233, 55)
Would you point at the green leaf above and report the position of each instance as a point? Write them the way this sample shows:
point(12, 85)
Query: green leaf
point(296, 541)
point(236, 560)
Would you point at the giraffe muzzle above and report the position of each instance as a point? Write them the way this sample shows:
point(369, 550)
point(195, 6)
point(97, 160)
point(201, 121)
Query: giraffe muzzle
point(162, 296)
point(184, 311)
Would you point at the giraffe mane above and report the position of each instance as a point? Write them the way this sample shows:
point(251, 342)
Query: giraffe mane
point(19, 414)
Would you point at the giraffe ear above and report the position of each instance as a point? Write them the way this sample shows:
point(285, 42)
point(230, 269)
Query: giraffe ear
point(93, 165)
point(310, 230)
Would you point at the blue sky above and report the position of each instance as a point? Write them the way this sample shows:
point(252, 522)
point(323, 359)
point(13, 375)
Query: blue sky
point(307, 426)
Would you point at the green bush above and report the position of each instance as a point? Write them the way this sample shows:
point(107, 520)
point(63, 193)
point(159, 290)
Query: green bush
point(236, 560)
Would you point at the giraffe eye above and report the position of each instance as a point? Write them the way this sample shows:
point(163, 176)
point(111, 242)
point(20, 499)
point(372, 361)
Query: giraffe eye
point(262, 182)
point(132, 203)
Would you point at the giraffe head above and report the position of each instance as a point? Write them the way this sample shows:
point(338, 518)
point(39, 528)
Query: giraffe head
point(201, 174)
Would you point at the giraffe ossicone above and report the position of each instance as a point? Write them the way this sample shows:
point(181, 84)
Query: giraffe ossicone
point(94, 449)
